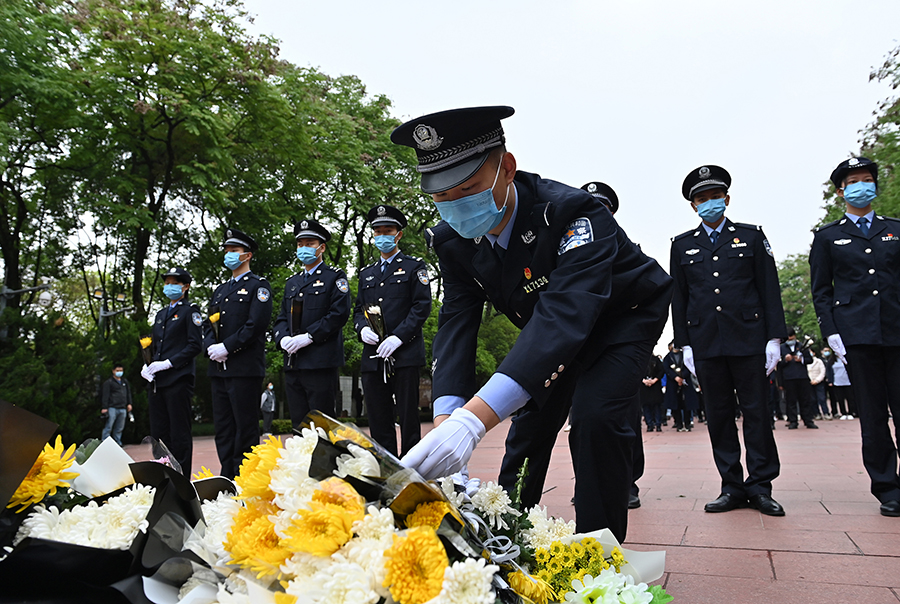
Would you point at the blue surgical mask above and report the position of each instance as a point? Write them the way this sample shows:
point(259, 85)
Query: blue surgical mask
point(172, 291)
point(860, 194)
point(118, 374)
point(385, 243)
point(232, 260)
point(474, 215)
point(710, 211)
point(306, 255)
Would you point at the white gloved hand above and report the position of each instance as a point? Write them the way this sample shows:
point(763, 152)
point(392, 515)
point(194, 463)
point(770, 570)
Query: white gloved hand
point(304, 339)
point(447, 448)
point(387, 348)
point(773, 354)
point(290, 344)
point(688, 353)
point(217, 353)
point(157, 366)
point(368, 336)
point(837, 345)
point(146, 373)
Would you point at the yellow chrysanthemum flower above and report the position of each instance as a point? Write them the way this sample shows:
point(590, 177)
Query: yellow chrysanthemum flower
point(429, 513)
point(343, 433)
point(556, 547)
point(253, 480)
point(203, 473)
point(339, 494)
point(46, 475)
point(578, 550)
point(541, 556)
point(544, 575)
point(253, 543)
point(283, 598)
point(528, 586)
point(592, 546)
point(554, 566)
point(566, 558)
point(618, 558)
point(580, 574)
point(214, 318)
point(415, 566)
point(146, 341)
point(320, 531)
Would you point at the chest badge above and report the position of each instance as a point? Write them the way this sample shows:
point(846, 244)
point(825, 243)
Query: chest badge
point(528, 238)
point(842, 241)
point(890, 237)
point(242, 291)
point(399, 271)
point(175, 317)
point(370, 277)
point(737, 243)
point(318, 283)
point(527, 273)
point(692, 252)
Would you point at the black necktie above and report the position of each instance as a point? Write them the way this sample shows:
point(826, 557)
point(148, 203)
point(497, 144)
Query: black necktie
point(863, 224)
point(383, 266)
point(714, 236)
point(306, 276)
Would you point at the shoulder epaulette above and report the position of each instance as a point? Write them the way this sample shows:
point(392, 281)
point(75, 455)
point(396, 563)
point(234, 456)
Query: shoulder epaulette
point(438, 234)
point(745, 225)
point(891, 218)
point(683, 235)
point(832, 223)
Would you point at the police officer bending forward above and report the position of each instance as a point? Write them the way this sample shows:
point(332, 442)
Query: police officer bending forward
point(590, 305)
point(177, 337)
point(315, 306)
point(398, 284)
point(236, 347)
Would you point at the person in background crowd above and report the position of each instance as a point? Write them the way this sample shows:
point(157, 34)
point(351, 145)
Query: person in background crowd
point(267, 406)
point(680, 397)
point(115, 403)
point(795, 381)
point(816, 371)
point(855, 280)
point(652, 395)
point(841, 394)
point(177, 339)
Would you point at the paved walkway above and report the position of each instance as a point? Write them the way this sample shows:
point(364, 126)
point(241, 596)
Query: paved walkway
point(832, 545)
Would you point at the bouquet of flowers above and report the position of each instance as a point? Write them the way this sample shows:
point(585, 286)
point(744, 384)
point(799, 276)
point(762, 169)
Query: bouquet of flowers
point(146, 353)
point(214, 317)
point(375, 321)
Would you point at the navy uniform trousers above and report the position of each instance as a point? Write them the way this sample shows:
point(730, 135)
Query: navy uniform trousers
point(237, 423)
point(403, 387)
point(311, 390)
point(170, 419)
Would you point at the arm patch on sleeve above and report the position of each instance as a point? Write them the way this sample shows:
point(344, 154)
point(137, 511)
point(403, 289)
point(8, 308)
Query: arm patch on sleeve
point(578, 232)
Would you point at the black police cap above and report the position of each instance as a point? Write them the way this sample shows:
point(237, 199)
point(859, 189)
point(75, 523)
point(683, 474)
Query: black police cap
point(312, 229)
point(386, 215)
point(452, 145)
point(179, 273)
point(705, 178)
point(604, 193)
point(236, 237)
point(854, 163)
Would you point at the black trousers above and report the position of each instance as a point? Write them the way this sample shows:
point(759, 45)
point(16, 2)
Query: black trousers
point(798, 401)
point(721, 377)
point(840, 400)
point(404, 388)
point(235, 405)
point(637, 452)
point(310, 389)
point(170, 419)
point(604, 413)
point(874, 372)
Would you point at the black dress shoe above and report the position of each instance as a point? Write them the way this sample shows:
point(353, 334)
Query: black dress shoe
point(634, 502)
point(793, 426)
point(890, 508)
point(812, 426)
point(766, 505)
point(725, 503)
point(659, 428)
point(649, 428)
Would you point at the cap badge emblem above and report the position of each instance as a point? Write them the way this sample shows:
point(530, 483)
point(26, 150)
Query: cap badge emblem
point(853, 161)
point(528, 237)
point(228, 233)
point(172, 270)
point(381, 211)
point(704, 172)
point(304, 225)
point(592, 188)
point(426, 138)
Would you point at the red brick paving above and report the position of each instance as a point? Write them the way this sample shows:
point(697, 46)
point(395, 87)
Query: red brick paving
point(832, 546)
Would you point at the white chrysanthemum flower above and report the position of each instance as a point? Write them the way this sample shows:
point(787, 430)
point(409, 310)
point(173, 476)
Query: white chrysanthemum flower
point(226, 597)
point(341, 583)
point(357, 463)
point(493, 501)
point(468, 582)
point(376, 524)
point(302, 566)
point(218, 515)
point(448, 487)
point(544, 530)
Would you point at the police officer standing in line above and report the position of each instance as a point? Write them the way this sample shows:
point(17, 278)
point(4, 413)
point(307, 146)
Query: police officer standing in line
point(855, 275)
point(313, 343)
point(238, 352)
point(399, 285)
point(795, 380)
point(590, 305)
point(177, 338)
point(726, 291)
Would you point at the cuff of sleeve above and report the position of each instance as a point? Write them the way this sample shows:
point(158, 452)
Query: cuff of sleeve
point(445, 405)
point(503, 395)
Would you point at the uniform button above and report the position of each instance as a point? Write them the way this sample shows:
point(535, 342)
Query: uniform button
point(837, 302)
point(715, 258)
point(715, 274)
point(740, 255)
point(301, 295)
point(226, 299)
point(717, 290)
point(381, 284)
point(561, 368)
point(868, 250)
point(756, 315)
point(875, 292)
point(689, 322)
point(381, 299)
point(554, 375)
point(871, 271)
point(719, 308)
point(691, 262)
point(547, 384)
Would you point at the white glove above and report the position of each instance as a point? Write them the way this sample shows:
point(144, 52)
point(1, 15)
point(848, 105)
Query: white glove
point(689, 359)
point(305, 340)
point(146, 373)
point(157, 366)
point(290, 344)
point(837, 345)
point(368, 336)
point(773, 354)
point(387, 348)
point(447, 448)
point(217, 353)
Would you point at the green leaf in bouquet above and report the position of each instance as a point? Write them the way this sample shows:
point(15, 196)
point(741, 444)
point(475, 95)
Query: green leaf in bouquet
point(659, 595)
point(87, 448)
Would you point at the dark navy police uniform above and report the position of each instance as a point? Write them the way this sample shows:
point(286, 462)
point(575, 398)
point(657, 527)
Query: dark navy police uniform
point(856, 291)
point(245, 310)
point(177, 337)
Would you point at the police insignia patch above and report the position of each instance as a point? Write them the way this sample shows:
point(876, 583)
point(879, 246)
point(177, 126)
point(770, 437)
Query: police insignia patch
point(262, 294)
point(422, 274)
point(196, 318)
point(578, 232)
point(427, 138)
point(768, 247)
point(342, 285)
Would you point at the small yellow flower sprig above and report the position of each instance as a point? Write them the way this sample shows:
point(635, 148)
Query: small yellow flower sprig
point(146, 342)
point(203, 473)
point(46, 475)
point(559, 565)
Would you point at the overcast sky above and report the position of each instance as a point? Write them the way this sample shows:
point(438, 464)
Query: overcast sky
point(633, 93)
